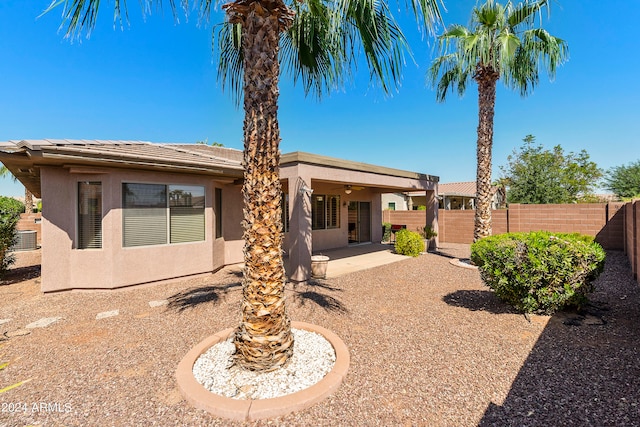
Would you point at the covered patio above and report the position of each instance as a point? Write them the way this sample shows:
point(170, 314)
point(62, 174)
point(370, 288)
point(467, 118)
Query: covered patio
point(333, 203)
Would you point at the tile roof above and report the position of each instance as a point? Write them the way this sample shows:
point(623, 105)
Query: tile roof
point(136, 151)
point(25, 157)
point(458, 188)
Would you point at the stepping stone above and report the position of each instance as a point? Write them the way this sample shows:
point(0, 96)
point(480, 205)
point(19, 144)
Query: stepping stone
point(158, 303)
point(106, 314)
point(43, 323)
point(3, 321)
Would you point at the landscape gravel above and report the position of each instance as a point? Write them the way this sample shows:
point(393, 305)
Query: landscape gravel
point(313, 357)
point(430, 345)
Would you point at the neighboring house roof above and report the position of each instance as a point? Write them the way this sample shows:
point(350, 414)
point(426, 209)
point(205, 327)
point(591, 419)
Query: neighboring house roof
point(467, 189)
point(24, 158)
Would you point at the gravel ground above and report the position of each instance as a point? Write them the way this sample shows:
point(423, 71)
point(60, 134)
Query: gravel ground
point(429, 345)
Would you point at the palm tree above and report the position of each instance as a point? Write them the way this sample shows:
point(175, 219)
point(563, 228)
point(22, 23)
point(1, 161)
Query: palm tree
point(500, 43)
point(318, 40)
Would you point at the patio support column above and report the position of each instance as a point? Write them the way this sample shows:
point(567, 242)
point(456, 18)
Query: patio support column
point(432, 212)
point(300, 236)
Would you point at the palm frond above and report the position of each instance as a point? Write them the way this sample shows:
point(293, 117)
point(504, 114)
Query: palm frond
point(80, 16)
point(525, 12)
point(310, 50)
point(228, 49)
point(369, 25)
point(427, 13)
point(447, 74)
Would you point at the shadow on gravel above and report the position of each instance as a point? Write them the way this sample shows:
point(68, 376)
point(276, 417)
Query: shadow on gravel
point(200, 295)
point(478, 301)
point(20, 274)
point(312, 292)
point(582, 373)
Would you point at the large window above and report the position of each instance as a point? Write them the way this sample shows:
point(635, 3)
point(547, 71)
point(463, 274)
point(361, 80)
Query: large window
point(157, 214)
point(325, 211)
point(89, 215)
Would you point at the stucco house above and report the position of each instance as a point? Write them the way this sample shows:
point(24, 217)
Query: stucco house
point(123, 213)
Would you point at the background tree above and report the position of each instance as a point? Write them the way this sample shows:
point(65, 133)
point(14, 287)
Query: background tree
point(535, 175)
point(500, 43)
point(624, 181)
point(28, 196)
point(10, 210)
point(319, 39)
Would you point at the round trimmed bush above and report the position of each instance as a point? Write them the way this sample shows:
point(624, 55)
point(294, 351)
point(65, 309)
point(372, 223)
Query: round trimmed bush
point(408, 243)
point(539, 272)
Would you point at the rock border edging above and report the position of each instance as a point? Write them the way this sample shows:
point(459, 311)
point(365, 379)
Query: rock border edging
point(458, 263)
point(250, 410)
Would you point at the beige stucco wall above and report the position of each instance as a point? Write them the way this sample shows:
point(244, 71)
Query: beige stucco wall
point(65, 267)
point(301, 241)
point(112, 266)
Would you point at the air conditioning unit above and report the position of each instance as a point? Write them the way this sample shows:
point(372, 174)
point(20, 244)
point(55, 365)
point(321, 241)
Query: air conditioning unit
point(27, 241)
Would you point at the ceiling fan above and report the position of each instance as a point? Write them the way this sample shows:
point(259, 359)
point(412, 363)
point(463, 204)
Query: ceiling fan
point(349, 188)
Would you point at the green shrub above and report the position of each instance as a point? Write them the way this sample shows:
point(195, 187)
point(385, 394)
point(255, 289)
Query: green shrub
point(539, 272)
point(408, 243)
point(386, 231)
point(9, 216)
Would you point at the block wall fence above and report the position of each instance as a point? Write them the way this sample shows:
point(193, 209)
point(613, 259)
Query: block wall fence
point(614, 225)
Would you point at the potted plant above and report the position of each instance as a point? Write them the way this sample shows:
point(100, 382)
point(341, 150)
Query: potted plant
point(428, 234)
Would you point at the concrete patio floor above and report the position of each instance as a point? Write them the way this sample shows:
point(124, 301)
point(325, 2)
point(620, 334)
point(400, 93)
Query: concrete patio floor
point(355, 258)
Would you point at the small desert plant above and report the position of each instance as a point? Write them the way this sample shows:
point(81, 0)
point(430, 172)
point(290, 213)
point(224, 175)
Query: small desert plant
point(386, 231)
point(427, 232)
point(408, 243)
point(539, 272)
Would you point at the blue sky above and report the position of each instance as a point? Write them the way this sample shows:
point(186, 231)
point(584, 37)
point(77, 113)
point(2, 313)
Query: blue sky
point(155, 80)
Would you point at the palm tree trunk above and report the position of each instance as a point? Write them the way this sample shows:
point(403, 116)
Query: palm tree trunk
point(263, 340)
point(487, 79)
point(28, 202)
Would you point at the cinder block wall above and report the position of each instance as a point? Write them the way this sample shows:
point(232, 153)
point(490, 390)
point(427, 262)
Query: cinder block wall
point(414, 220)
point(614, 225)
point(603, 221)
point(631, 243)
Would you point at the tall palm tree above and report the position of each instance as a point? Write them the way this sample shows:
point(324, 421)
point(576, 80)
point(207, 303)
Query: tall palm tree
point(318, 40)
point(501, 42)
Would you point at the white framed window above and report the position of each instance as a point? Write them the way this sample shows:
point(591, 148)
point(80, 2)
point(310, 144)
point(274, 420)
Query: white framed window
point(158, 214)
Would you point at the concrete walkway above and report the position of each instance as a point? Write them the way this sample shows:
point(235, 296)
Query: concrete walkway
point(356, 257)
